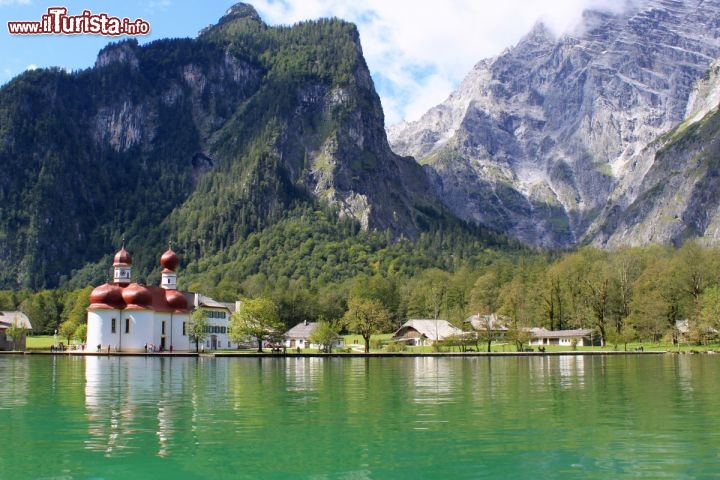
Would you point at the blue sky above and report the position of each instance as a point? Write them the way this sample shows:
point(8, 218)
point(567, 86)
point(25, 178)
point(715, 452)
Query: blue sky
point(417, 50)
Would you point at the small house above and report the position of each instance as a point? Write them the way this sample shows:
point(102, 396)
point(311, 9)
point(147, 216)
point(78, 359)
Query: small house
point(7, 320)
point(299, 336)
point(425, 332)
point(495, 324)
point(686, 331)
point(581, 337)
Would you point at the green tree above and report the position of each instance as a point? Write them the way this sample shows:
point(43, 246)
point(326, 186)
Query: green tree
point(256, 319)
point(67, 330)
point(43, 309)
point(75, 313)
point(625, 335)
point(519, 335)
point(485, 293)
point(198, 328)
point(17, 333)
point(366, 317)
point(326, 334)
point(487, 330)
point(656, 300)
point(80, 333)
point(708, 318)
point(380, 288)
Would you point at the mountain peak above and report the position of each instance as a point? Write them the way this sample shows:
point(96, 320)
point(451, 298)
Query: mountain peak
point(241, 10)
point(240, 13)
point(538, 140)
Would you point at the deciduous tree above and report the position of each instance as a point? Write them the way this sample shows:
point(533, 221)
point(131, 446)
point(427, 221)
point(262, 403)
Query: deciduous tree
point(256, 319)
point(366, 317)
point(198, 328)
point(326, 334)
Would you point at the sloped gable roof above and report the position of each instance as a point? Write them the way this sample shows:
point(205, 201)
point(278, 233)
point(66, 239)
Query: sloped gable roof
point(199, 300)
point(493, 321)
point(7, 319)
point(301, 330)
point(544, 333)
point(432, 329)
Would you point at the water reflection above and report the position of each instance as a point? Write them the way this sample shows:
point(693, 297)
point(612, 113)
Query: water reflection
point(433, 380)
point(571, 370)
point(14, 381)
point(304, 374)
point(497, 417)
point(432, 384)
point(564, 371)
point(127, 399)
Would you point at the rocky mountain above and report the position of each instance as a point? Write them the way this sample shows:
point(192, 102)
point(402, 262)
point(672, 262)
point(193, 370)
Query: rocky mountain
point(196, 141)
point(553, 140)
point(679, 195)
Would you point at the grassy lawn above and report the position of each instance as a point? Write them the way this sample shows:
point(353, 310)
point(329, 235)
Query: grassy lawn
point(41, 342)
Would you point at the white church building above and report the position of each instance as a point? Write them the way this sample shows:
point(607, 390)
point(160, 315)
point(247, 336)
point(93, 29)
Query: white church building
point(129, 317)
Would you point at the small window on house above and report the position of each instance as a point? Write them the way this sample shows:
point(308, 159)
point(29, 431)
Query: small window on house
point(113, 326)
point(184, 333)
point(127, 325)
point(162, 328)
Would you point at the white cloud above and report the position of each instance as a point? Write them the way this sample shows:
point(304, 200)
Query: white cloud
point(418, 51)
point(158, 5)
point(5, 3)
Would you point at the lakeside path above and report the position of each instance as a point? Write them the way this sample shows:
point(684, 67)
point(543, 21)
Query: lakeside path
point(344, 355)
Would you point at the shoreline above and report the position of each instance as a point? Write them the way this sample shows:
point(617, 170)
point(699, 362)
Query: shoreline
point(347, 355)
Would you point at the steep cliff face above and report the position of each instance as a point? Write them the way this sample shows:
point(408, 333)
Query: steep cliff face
point(538, 140)
point(199, 141)
point(679, 195)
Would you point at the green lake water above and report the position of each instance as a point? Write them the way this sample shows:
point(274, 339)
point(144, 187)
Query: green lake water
point(635, 416)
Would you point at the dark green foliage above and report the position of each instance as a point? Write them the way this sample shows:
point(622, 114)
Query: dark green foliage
point(205, 142)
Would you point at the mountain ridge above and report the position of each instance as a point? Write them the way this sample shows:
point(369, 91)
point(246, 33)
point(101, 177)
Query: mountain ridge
point(536, 140)
point(200, 142)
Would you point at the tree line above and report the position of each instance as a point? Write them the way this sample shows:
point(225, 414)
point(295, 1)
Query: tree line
point(624, 295)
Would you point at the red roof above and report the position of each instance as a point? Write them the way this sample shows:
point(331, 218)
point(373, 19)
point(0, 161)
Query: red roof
point(137, 297)
point(169, 260)
point(107, 296)
point(122, 257)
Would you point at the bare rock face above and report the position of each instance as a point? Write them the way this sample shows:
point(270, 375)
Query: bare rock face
point(542, 140)
point(678, 197)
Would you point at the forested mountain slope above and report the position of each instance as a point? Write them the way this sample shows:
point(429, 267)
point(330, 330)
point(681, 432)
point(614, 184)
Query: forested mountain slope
point(199, 142)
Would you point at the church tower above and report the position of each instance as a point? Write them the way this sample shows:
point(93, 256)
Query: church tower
point(122, 268)
point(169, 261)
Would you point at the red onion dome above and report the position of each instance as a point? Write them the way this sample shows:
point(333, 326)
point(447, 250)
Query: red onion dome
point(176, 299)
point(170, 260)
point(135, 294)
point(122, 257)
point(107, 295)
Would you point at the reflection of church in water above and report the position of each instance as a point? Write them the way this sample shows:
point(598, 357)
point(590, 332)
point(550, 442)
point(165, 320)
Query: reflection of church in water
point(129, 317)
point(131, 403)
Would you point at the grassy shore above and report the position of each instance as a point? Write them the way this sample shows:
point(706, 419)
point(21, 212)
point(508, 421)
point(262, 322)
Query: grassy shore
point(355, 344)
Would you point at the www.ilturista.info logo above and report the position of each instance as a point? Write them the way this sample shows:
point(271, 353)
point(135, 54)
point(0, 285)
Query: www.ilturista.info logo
point(58, 22)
